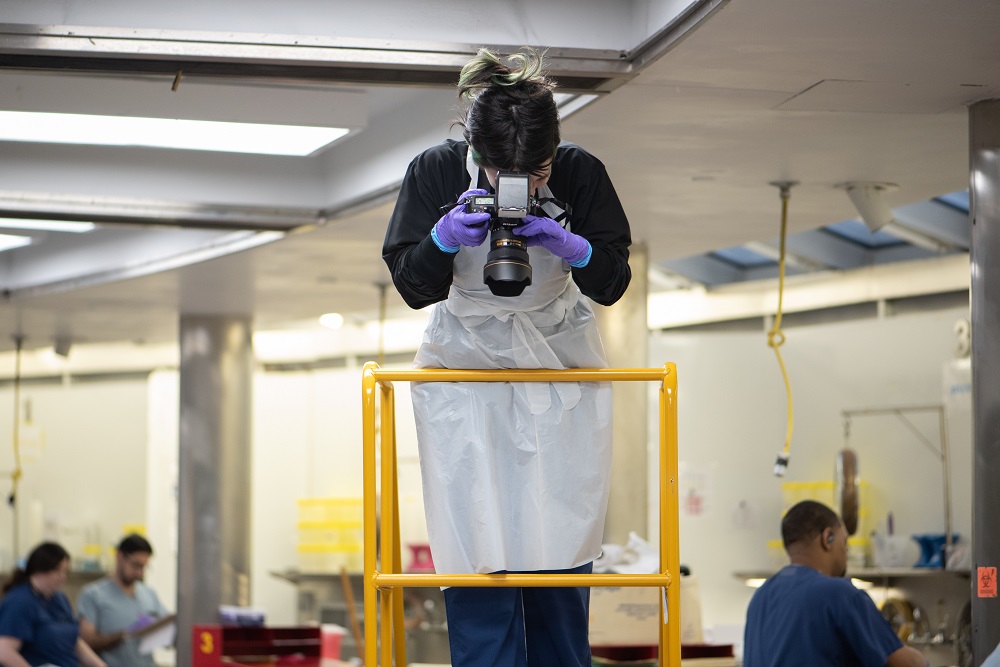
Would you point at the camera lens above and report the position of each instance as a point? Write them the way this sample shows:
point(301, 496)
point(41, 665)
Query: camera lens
point(507, 271)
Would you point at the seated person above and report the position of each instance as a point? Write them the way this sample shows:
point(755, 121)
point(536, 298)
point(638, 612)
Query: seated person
point(993, 659)
point(809, 614)
point(36, 621)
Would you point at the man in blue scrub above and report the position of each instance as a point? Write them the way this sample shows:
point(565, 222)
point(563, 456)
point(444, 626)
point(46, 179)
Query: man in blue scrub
point(113, 609)
point(809, 614)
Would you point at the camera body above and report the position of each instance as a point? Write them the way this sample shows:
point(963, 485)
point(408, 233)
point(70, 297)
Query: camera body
point(511, 202)
point(507, 271)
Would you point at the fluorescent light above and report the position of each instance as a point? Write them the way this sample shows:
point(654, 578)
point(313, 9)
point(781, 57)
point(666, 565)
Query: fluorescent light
point(568, 104)
point(9, 241)
point(332, 320)
point(914, 237)
point(47, 225)
point(757, 582)
point(203, 135)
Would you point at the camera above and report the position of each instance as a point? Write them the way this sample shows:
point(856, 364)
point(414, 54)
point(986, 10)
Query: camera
point(507, 271)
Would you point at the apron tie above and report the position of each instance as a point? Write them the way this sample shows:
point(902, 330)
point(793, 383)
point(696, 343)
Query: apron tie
point(529, 350)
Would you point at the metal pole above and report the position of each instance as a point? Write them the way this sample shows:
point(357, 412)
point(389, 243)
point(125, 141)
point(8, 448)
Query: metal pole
point(946, 475)
point(984, 208)
point(214, 482)
point(15, 501)
point(382, 287)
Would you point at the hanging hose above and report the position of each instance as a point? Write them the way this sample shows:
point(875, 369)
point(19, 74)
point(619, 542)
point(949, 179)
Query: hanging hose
point(775, 337)
point(15, 476)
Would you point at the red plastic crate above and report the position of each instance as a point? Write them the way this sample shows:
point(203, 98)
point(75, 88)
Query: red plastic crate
point(224, 646)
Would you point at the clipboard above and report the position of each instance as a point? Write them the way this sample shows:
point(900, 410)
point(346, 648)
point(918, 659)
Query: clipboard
point(161, 622)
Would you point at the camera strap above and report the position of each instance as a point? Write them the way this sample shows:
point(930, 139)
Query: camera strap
point(472, 168)
point(565, 210)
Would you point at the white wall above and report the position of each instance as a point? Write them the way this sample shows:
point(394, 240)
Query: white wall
point(84, 462)
point(732, 425)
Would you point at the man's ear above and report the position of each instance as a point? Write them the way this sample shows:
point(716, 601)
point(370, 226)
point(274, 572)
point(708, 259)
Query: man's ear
point(827, 538)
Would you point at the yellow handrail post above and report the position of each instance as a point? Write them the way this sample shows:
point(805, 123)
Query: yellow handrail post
point(384, 604)
point(387, 551)
point(670, 553)
point(398, 627)
point(389, 436)
point(368, 383)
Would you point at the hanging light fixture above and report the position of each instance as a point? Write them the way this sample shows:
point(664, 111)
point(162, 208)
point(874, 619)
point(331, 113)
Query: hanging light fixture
point(877, 216)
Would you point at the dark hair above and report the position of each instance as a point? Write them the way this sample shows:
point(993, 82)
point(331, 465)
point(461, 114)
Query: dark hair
point(46, 557)
point(512, 122)
point(134, 543)
point(806, 520)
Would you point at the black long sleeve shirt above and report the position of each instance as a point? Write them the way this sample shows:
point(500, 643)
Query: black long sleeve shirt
point(422, 272)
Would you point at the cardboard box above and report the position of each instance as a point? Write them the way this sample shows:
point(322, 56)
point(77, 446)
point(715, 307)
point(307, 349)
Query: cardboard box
point(630, 616)
point(624, 616)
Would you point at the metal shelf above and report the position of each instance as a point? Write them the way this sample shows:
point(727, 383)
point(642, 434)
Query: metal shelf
point(876, 574)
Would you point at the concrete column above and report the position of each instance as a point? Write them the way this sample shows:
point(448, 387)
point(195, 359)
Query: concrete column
point(984, 190)
point(216, 375)
point(625, 333)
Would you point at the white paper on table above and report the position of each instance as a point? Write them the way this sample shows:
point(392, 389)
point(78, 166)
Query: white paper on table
point(159, 638)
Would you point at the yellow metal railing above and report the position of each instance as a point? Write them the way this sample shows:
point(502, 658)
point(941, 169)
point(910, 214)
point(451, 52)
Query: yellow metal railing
point(384, 602)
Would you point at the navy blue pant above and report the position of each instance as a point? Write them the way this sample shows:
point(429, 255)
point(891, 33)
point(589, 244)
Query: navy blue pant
point(519, 627)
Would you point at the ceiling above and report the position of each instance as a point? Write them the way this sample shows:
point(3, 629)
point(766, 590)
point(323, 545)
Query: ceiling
point(697, 106)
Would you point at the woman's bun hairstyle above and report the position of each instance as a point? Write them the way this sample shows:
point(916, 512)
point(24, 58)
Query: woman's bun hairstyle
point(512, 122)
point(524, 78)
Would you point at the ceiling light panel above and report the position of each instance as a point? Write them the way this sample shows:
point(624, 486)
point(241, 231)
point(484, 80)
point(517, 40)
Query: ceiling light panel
point(256, 138)
point(11, 241)
point(47, 225)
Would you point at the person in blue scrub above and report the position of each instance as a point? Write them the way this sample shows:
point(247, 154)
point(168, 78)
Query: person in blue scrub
point(993, 659)
point(37, 626)
point(809, 614)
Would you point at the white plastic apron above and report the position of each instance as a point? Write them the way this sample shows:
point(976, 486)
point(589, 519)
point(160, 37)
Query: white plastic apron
point(515, 476)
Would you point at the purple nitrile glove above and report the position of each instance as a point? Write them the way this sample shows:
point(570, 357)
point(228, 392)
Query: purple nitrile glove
point(141, 621)
point(457, 228)
point(549, 234)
